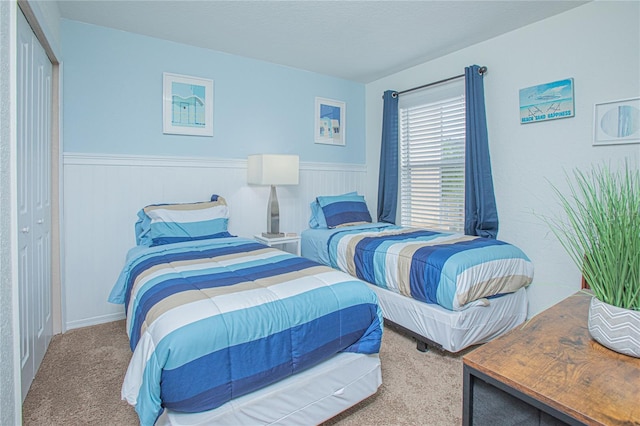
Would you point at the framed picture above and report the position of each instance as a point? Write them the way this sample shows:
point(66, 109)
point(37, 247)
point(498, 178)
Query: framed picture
point(330, 122)
point(617, 122)
point(548, 101)
point(187, 105)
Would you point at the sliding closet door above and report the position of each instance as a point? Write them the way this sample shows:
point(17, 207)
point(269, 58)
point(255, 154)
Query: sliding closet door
point(41, 171)
point(25, 213)
point(34, 201)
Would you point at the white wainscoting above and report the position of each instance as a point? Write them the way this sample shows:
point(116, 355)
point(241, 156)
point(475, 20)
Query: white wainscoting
point(103, 193)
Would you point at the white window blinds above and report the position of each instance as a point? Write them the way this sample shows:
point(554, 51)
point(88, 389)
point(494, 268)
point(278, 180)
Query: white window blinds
point(432, 145)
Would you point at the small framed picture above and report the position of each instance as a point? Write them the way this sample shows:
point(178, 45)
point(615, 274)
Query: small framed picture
point(617, 122)
point(187, 105)
point(548, 101)
point(330, 122)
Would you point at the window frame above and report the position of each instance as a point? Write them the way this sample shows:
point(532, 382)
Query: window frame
point(431, 187)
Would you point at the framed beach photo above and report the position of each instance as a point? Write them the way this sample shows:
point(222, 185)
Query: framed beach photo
point(617, 122)
point(548, 101)
point(187, 105)
point(330, 124)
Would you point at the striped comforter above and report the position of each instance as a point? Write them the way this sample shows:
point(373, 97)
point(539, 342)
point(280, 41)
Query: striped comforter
point(453, 270)
point(212, 320)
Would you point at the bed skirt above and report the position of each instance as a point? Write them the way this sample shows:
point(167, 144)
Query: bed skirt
point(454, 330)
point(309, 397)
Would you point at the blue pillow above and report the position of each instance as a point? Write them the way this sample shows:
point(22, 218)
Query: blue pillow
point(172, 223)
point(317, 219)
point(344, 210)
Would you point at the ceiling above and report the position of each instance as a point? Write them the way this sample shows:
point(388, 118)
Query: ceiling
point(355, 40)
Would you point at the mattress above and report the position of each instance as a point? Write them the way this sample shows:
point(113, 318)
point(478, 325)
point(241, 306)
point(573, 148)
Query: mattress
point(451, 330)
point(307, 398)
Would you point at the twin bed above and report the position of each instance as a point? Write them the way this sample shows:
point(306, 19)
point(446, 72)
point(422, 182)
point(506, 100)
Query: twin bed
point(447, 290)
point(226, 330)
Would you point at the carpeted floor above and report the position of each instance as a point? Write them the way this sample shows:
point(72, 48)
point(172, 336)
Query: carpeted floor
point(80, 378)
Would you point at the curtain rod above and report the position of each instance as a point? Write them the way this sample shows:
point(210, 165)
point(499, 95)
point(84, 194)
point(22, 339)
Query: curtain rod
point(481, 70)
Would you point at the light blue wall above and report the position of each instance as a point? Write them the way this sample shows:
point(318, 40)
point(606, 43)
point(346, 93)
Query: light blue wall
point(113, 100)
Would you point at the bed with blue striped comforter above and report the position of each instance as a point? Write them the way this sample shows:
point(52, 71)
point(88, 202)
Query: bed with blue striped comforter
point(212, 320)
point(454, 271)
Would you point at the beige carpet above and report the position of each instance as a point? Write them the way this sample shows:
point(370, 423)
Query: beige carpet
point(80, 378)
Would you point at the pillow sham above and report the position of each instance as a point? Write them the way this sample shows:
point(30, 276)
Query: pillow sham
point(344, 210)
point(160, 224)
point(317, 219)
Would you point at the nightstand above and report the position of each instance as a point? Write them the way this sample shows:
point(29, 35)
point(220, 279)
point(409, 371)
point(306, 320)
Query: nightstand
point(281, 241)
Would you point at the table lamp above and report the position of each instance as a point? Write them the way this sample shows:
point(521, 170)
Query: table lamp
point(273, 169)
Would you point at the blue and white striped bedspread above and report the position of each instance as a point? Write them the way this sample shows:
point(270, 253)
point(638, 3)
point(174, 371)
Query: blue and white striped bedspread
point(212, 320)
point(453, 270)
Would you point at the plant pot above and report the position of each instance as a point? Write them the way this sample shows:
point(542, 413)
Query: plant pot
point(616, 328)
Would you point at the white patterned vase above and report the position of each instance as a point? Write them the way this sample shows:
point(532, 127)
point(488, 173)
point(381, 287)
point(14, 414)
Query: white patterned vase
point(616, 328)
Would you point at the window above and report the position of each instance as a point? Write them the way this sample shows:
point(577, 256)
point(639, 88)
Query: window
point(432, 145)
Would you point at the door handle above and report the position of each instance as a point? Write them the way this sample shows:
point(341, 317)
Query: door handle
point(25, 230)
point(40, 221)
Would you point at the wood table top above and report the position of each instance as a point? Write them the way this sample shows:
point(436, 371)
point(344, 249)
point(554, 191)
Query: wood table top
point(553, 359)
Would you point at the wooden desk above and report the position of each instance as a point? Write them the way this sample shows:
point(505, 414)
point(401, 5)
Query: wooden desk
point(551, 363)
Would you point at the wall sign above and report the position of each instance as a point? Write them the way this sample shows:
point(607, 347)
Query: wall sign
point(547, 101)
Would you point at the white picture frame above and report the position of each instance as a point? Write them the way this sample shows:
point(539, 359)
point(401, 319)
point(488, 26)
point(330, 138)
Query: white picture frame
point(187, 105)
point(330, 122)
point(616, 122)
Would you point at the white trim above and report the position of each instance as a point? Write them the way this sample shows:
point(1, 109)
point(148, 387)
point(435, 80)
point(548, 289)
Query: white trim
point(13, 197)
point(100, 319)
point(79, 159)
point(61, 231)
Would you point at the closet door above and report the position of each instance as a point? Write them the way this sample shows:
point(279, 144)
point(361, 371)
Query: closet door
point(42, 201)
point(34, 201)
point(25, 213)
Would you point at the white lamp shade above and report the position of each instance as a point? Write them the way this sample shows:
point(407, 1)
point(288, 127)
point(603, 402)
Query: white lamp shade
point(272, 169)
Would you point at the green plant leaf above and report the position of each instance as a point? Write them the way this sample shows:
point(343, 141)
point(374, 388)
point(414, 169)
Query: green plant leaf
point(600, 230)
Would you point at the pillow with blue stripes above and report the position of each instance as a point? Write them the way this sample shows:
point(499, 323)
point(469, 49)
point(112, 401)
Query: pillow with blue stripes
point(317, 219)
point(160, 224)
point(344, 210)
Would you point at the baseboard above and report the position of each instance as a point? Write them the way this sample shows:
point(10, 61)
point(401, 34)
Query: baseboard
point(86, 322)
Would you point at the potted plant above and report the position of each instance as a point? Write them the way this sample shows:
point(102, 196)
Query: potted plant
point(601, 233)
